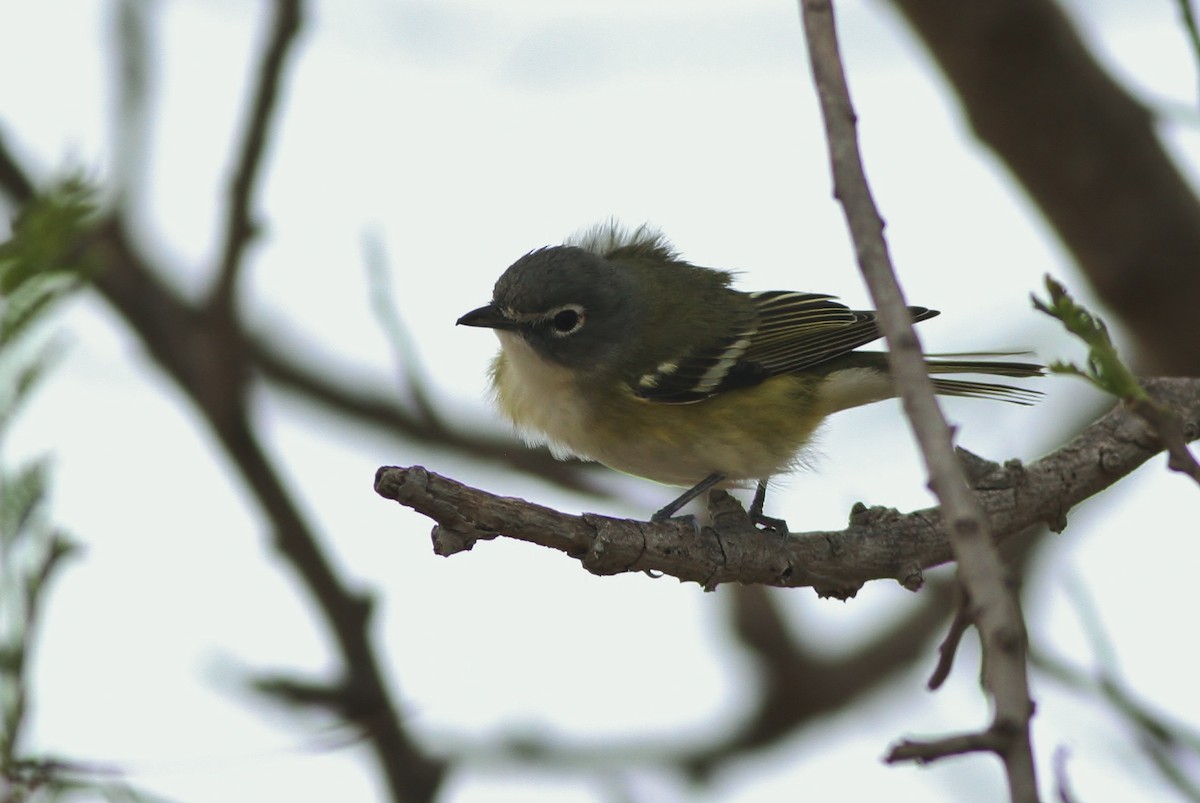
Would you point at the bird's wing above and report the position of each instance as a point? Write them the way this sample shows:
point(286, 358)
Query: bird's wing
point(785, 332)
point(797, 331)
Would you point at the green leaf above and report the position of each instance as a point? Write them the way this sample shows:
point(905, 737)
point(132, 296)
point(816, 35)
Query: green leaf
point(21, 493)
point(46, 235)
point(18, 381)
point(29, 302)
point(1104, 368)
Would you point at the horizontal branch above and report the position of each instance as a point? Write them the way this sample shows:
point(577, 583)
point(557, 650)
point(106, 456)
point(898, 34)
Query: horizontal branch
point(879, 543)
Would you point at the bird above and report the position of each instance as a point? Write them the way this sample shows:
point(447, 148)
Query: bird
point(613, 348)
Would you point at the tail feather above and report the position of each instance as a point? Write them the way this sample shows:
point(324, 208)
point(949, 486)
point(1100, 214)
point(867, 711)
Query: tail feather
point(1020, 370)
point(985, 390)
point(855, 387)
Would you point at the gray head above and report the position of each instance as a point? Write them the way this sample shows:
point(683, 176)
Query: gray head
point(574, 307)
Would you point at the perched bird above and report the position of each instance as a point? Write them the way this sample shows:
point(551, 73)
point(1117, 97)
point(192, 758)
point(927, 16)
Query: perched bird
point(614, 349)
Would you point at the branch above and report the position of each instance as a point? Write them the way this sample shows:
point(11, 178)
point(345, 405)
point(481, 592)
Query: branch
point(1173, 434)
point(1187, 18)
point(949, 646)
point(1106, 371)
point(1170, 745)
point(1086, 153)
point(133, 75)
point(205, 351)
point(991, 600)
point(240, 227)
point(991, 740)
point(1061, 780)
point(207, 358)
point(349, 398)
point(404, 353)
point(801, 684)
point(878, 544)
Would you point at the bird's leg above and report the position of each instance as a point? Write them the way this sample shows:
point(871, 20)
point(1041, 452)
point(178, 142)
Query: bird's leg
point(756, 511)
point(687, 496)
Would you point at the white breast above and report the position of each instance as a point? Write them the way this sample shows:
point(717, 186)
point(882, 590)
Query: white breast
point(541, 398)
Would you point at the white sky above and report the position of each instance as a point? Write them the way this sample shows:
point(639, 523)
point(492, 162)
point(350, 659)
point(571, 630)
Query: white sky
point(462, 135)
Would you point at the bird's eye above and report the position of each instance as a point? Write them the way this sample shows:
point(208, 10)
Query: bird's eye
point(567, 320)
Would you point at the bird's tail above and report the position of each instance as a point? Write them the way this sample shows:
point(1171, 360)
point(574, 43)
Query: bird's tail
point(984, 363)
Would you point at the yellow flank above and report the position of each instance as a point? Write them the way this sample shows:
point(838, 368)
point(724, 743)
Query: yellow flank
point(736, 433)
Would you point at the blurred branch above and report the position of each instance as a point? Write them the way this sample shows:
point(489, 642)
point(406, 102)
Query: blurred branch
point(1088, 155)
point(878, 544)
point(204, 350)
point(1166, 742)
point(1062, 781)
point(801, 684)
point(990, 598)
point(349, 399)
point(133, 78)
point(1159, 736)
point(211, 359)
point(240, 226)
point(208, 358)
point(408, 363)
point(1188, 17)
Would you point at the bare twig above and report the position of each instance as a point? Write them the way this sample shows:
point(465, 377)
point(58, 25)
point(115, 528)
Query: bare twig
point(925, 752)
point(240, 226)
point(993, 602)
point(949, 646)
point(408, 362)
point(1062, 781)
point(878, 544)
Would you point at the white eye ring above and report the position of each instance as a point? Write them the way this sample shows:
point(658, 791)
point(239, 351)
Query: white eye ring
point(566, 320)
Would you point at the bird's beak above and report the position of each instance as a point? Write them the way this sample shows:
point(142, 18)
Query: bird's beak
point(488, 316)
